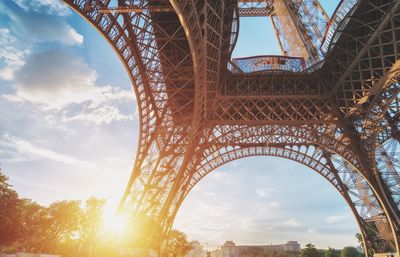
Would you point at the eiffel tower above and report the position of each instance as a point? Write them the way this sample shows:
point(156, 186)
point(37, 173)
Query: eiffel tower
point(330, 102)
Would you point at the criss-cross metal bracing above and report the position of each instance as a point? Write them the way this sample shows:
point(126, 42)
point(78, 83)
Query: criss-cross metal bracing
point(330, 103)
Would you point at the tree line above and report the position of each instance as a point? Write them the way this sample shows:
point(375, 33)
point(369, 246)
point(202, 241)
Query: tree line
point(308, 251)
point(68, 228)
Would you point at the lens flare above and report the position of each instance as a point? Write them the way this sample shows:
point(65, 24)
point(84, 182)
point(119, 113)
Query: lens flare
point(115, 223)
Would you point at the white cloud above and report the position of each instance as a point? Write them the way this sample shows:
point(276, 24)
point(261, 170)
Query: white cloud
point(311, 231)
point(274, 204)
point(55, 80)
point(109, 94)
point(31, 27)
point(26, 148)
point(210, 194)
point(103, 114)
point(334, 218)
point(37, 22)
point(292, 222)
point(263, 192)
point(11, 57)
point(55, 7)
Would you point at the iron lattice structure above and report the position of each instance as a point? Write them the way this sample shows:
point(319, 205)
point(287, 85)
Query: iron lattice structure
point(331, 102)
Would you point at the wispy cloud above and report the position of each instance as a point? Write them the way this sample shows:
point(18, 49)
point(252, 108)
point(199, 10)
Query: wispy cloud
point(293, 222)
point(263, 192)
point(26, 148)
point(210, 194)
point(311, 231)
point(334, 218)
point(55, 7)
point(13, 57)
point(274, 204)
point(103, 114)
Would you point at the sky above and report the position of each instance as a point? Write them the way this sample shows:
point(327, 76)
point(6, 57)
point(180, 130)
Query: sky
point(69, 128)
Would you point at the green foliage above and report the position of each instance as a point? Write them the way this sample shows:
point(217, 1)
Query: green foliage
point(178, 245)
point(9, 212)
point(91, 218)
point(254, 251)
point(331, 252)
point(63, 228)
point(350, 251)
point(310, 251)
point(380, 245)
point(289, 254)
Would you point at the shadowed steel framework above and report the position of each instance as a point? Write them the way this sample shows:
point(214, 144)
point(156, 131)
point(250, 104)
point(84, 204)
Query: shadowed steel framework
point(330, 102)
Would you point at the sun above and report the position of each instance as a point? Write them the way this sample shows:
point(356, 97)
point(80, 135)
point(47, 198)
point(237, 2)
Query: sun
point(118, 224)
point(115, 223)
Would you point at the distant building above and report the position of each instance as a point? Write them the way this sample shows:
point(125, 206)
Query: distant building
point(230, 249)
point(197, 250)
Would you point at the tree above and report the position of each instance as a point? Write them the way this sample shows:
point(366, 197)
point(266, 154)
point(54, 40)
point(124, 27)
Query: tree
point(178, 245)
point(49, 229)
point(288, 254)
point(91, 219)
point(331, 252)
point(32, 216)
point(349, 251)
point(90, 224)
point(9, 212)
point(310, 251)
point(63, 228)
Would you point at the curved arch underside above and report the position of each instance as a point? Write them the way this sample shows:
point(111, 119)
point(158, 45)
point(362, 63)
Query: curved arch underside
point(337, 118)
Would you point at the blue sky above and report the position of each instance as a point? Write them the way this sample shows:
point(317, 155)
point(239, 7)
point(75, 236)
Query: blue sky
point(68, 130)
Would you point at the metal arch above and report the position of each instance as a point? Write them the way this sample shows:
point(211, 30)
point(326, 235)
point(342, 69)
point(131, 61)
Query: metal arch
point(109, 26)
point(369, 207)
point(158, 148)
point(357, 64)
point(217, 159)
point(386, 159)
point(344, 180)
point(322, 135)
point(363, 50)
point(213, 159)
point(312, 136)
point(375, 133)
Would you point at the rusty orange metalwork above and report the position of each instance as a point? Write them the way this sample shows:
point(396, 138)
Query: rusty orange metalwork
point(330, 102)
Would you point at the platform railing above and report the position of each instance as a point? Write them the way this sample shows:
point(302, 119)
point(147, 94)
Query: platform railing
point(265, 63)
point(339, 19)
point(256, 64)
